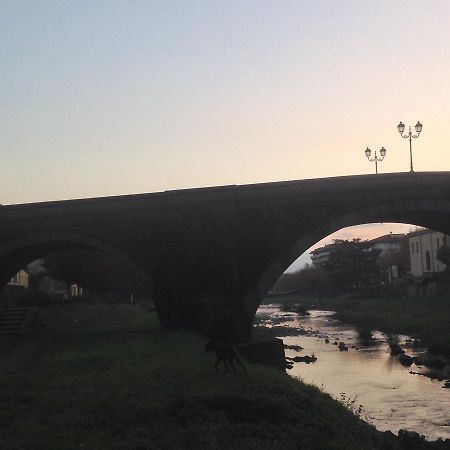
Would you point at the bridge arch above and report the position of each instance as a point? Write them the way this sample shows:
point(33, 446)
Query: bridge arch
point(16, 253)
point(430, 213)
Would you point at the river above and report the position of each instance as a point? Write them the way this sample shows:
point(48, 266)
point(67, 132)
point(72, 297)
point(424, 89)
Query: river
point(390, 396)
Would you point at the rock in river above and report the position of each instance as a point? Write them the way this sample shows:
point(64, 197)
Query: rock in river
point(405, 360)
point(306, 359)
point(342, 347)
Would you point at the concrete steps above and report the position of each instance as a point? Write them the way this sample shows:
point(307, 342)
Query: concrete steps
point(12, 319)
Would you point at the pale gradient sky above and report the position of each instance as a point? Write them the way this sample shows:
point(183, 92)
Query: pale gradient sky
point(116, 97)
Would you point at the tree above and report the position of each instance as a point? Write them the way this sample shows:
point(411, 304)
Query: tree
point(353, 263)
point(309, 280)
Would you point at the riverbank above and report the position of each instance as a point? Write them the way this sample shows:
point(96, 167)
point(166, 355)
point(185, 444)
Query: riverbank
point(142, 388)
point(425, 318)
point(330, 354)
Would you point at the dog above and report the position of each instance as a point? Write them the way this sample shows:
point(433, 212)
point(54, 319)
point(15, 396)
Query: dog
point(226, 353)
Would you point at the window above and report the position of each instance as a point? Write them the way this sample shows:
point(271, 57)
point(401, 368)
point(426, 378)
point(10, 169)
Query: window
point(412, 247)
point(428, 261)
point(437, 243)
point(417, 246)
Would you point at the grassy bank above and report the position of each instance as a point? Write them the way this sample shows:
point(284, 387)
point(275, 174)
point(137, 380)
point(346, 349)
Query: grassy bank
point(427, 318)
point(142, 388)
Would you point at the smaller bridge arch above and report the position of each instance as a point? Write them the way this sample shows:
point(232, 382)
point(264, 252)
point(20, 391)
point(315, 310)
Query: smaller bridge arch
point(16, 253)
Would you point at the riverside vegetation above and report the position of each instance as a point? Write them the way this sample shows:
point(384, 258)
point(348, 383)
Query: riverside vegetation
point(142, 388)
point(425, 318)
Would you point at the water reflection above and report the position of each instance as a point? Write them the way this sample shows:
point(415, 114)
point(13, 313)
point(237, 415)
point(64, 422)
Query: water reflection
point(392, 397)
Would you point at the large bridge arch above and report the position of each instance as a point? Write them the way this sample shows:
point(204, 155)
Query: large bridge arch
point(429, 213)
point(17, 252)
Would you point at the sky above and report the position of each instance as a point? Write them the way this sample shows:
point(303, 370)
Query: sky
point(102, 98)
point(117, 97)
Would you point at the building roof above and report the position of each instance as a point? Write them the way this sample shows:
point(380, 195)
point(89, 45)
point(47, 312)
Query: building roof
point(325, 248)
point(391, 237)
point(420, 231)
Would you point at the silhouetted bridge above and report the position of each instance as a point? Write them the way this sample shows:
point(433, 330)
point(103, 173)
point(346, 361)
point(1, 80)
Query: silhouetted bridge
point(208, 256)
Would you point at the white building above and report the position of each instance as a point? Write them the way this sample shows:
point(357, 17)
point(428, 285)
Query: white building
point(321, 255)
point(388, 243)
point(423, 247)
point(19, 279)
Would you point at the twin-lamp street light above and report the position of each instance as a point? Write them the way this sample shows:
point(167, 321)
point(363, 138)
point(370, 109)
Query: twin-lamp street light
point(375, 158)
point(401, 130)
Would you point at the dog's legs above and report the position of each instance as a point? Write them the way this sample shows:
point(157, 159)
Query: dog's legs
point(240, 364)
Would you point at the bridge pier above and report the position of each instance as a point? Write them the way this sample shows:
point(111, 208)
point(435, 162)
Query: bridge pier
point(214, 316)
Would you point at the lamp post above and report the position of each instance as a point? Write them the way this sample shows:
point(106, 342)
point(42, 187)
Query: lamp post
point(401, 129)
point(375, 158)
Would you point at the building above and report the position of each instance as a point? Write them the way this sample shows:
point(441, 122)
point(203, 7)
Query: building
point(390, 257)
point(320, 256)
point(388, 243)
point(19, 279)
point(423, 247)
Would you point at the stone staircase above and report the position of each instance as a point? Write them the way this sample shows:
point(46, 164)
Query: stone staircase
point(13, 319)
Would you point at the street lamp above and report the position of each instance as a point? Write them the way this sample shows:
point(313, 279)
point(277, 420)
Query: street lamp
point(367, 151)
point(401, 129)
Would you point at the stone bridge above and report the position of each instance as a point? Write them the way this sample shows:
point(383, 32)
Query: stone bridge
point(208, 256)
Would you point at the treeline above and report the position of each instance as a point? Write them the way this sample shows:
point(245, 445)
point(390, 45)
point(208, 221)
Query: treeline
point(351, 265)
point(310, 280)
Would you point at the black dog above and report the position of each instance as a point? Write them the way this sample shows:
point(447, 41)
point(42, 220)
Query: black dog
point(226, 353)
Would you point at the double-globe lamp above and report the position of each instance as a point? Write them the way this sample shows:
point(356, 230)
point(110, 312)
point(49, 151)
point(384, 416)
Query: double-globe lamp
point(376, 158)
point(410, 136)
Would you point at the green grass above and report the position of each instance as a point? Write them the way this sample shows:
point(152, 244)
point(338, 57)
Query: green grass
point(423, 317)
point(8, 344)
point(141, 388)
point(427, 318)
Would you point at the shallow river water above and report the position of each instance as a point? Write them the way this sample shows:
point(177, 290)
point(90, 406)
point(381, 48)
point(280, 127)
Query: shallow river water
point(392, 397)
